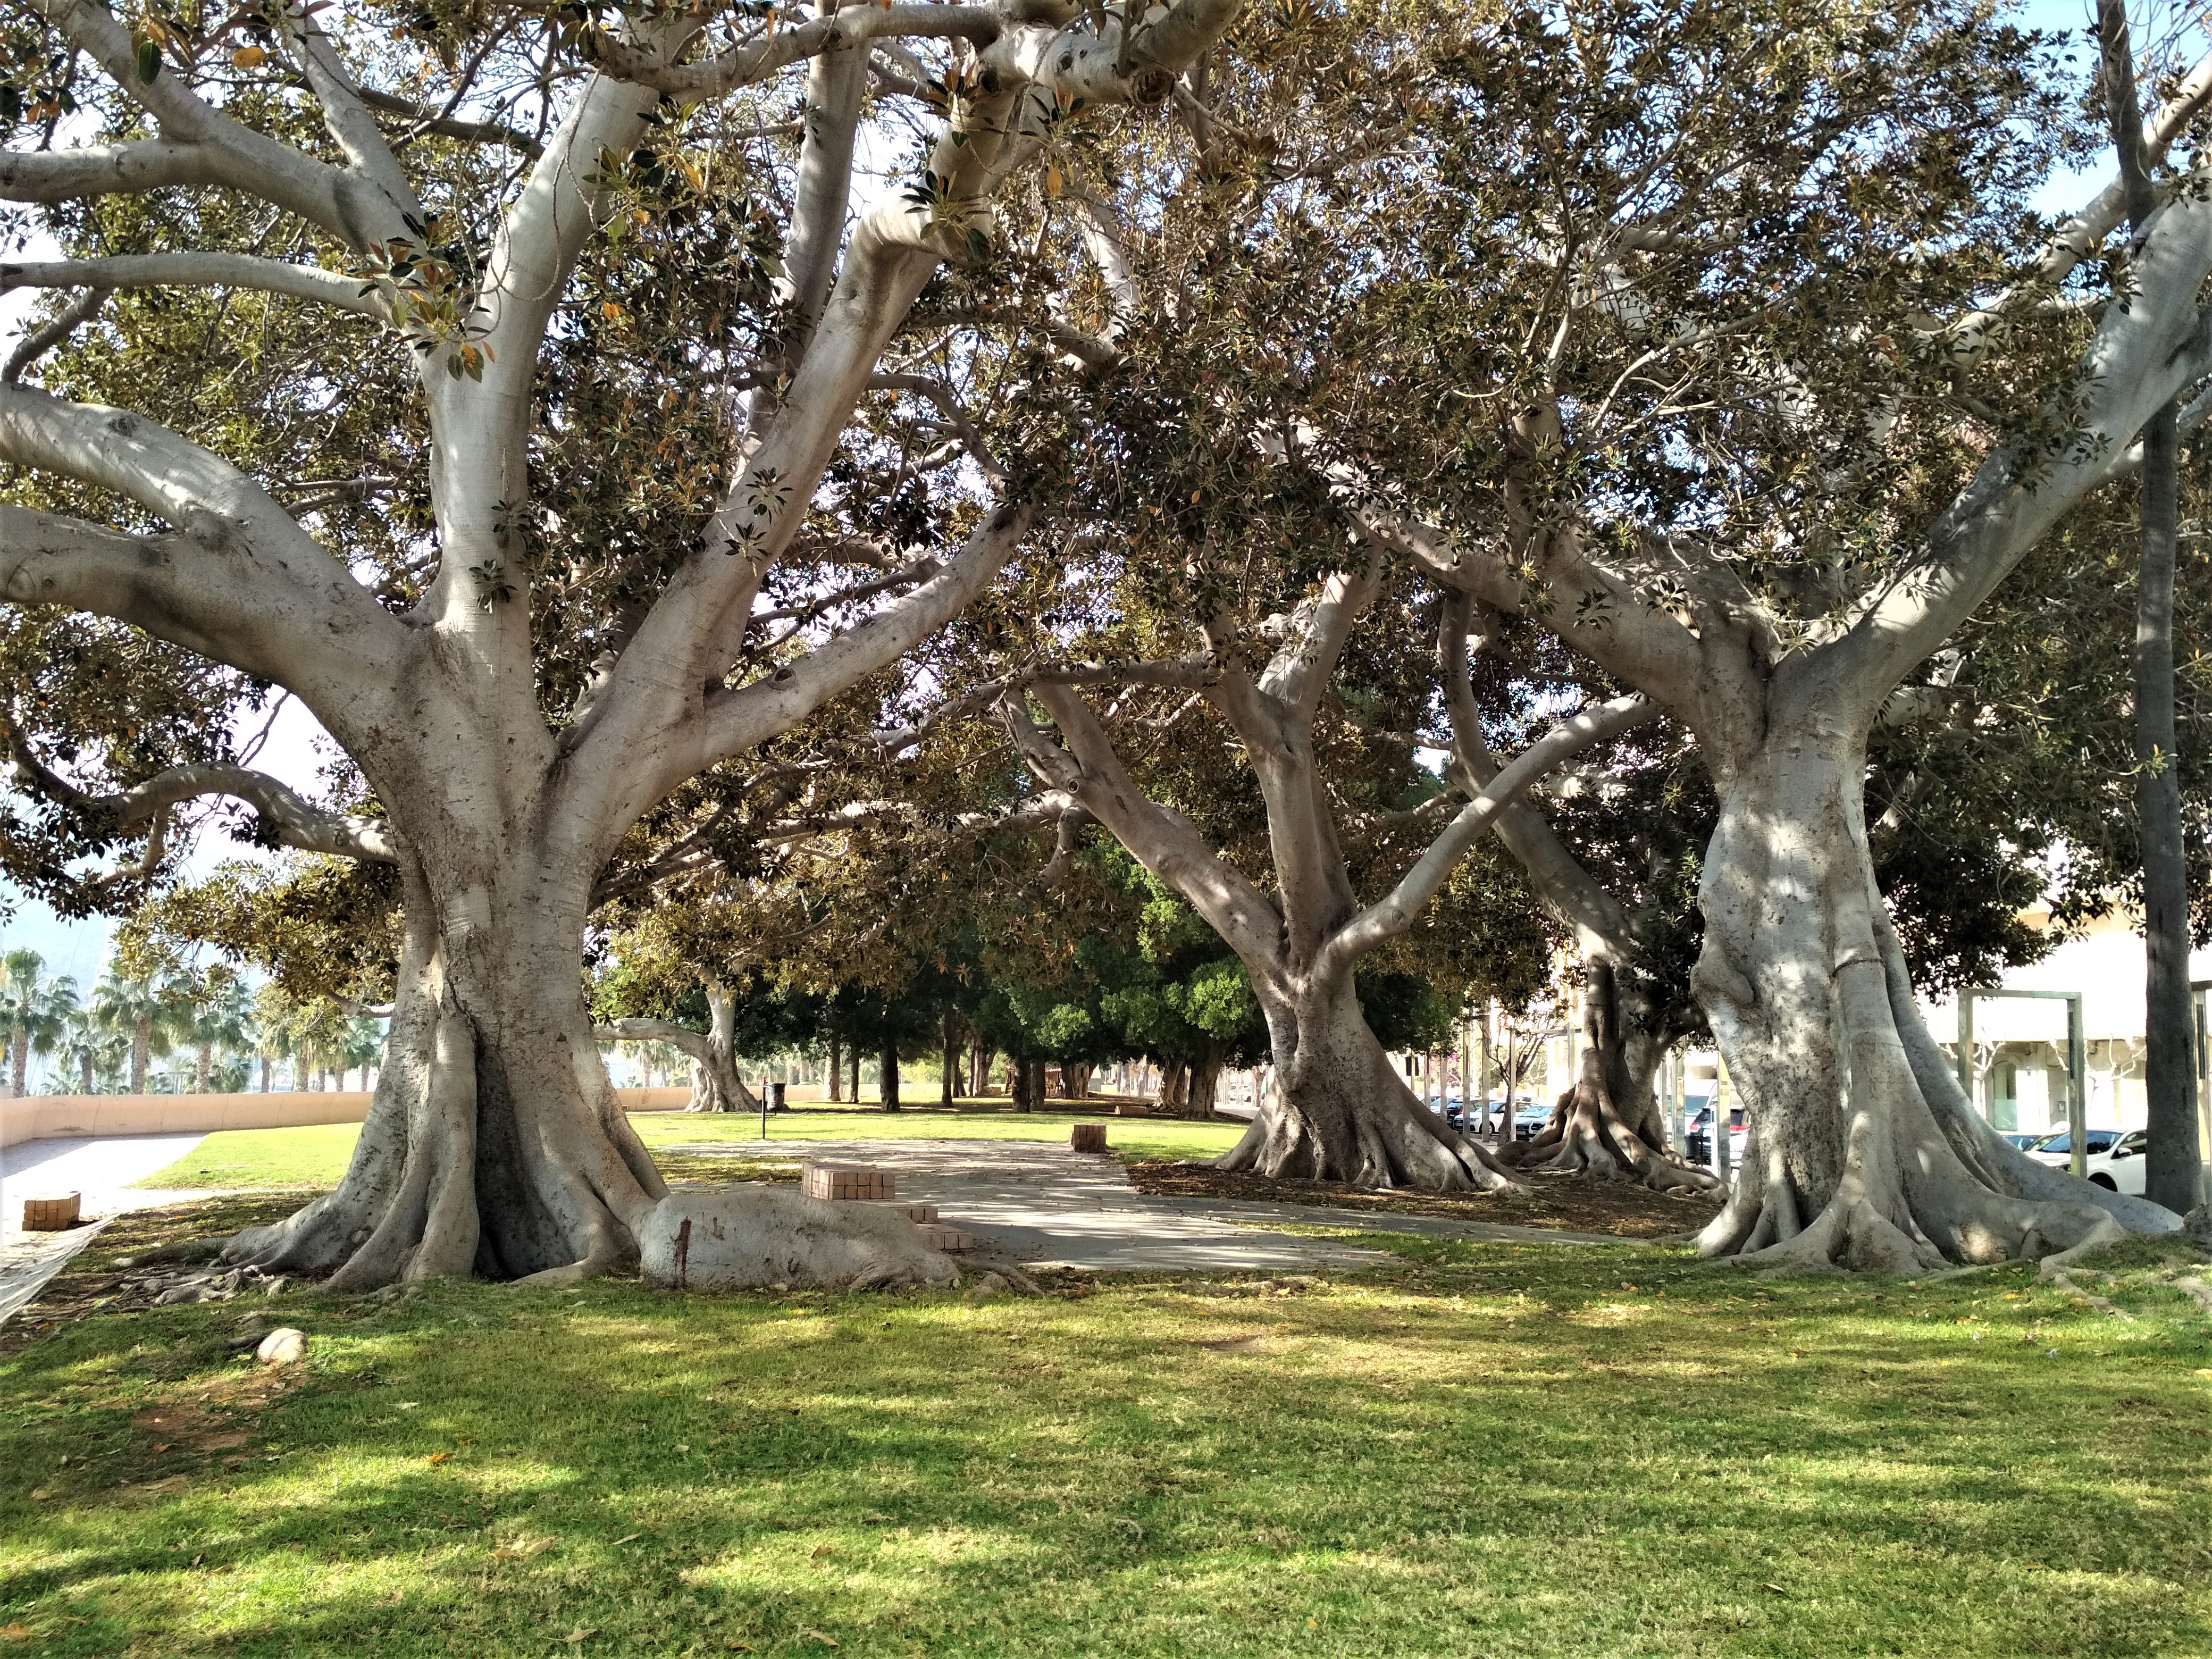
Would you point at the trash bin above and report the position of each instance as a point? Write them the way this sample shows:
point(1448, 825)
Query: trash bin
point(775, 1096)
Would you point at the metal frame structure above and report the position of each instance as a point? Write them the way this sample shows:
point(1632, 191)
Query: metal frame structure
point(2077, 1060)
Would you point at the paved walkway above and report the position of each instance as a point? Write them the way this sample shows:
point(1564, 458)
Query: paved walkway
point(1052, 1207)
point(101, 1168)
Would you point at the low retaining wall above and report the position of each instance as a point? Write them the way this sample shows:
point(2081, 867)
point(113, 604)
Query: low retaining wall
point(45, 1117)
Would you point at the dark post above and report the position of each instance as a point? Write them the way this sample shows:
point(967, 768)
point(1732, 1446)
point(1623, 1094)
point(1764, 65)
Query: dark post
point(2174, 1169)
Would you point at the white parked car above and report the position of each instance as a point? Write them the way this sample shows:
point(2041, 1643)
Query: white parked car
point(2114, 1161)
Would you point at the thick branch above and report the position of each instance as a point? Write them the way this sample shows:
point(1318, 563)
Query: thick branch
point(1560, 876)
point(1388, 917)
point(1163, 840)
point(757, 59)
point(197, 270)
point(290, 820)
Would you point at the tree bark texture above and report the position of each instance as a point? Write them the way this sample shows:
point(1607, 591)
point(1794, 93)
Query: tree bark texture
point(1202, 1084)
point(1609, 1122)
point(1340, 1111)
point(1864, 1150)
point(2174, 1171)
point(836, 1070)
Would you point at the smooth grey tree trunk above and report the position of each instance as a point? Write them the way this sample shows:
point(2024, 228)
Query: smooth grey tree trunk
point(1864, 1150)
point(2174, 1171)
point(1340, 1111)
point(1609, 1122)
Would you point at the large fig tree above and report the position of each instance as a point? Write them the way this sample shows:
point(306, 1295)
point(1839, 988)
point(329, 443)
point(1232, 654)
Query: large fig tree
point(450, 185)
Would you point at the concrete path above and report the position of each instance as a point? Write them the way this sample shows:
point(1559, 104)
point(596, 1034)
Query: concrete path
point(1052, 1207)
point(101, 1168)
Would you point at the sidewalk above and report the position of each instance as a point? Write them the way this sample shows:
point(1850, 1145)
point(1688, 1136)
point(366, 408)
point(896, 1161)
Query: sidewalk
point(101, 1168)
point(1052, 1207)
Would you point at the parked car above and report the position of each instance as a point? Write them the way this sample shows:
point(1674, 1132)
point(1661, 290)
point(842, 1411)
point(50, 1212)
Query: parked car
point(1701, 1137)
point(2114, 1160)
point(2023, 1139)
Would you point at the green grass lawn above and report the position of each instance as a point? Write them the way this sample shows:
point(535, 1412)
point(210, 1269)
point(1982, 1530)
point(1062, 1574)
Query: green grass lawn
point(316, 1157)
point(1478, 1449)
point(312, 1157)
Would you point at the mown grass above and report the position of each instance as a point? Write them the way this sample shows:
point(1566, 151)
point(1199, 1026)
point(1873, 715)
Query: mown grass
point(312, 1157)
point(1478, 1449)
point(316, 1157)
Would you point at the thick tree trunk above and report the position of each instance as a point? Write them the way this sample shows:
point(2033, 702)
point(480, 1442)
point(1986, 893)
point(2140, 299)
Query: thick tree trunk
point(142, 1049)
point(1204, 1082)
point(1609, 1123)
point(495, 1144)
point(205, 1068)
point(836, 1069)
point(887, 1083)
point(1174, 1087)
point(84, 1070)
point(266, 1066)
point(1864, 1151)
point(1341, 1112)
point(1074, 1080)
point(19, 1064)
point(980, 1056)
point(951, 1056)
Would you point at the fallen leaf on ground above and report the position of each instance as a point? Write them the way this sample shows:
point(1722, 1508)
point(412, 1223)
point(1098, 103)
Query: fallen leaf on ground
point(826, 1641)
point(632, 1539)
point(439, 1457)
point(1777, 1588)
point(15, 1633)
point(576, 1636)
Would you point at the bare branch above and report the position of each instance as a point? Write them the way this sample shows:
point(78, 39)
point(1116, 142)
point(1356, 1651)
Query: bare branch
point(1389, 916)
point(289, 819)
point(757, 59)
point(197, 269)
point(49, 334)
point(948, 405)
point(427, 119)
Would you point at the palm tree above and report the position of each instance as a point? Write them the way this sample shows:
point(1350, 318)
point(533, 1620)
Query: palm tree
point(34, 1010)
point(146, 1007)
point(217, 1016)
point(95, 1054)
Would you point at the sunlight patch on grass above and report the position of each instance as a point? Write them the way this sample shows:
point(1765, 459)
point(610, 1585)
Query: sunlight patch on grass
point(317, 1156)
point(1475, 1448)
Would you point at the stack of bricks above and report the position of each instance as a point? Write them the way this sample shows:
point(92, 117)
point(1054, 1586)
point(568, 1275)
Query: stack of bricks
point(62, 1211)
point(845, 1181)
point(851, 1182)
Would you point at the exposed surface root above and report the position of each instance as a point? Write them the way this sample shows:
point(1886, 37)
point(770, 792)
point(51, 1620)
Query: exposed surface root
point(2064, 1280)
point(1587, 1135)
point(2197, 1291)
point(749, 1236)
point(1394, 1148)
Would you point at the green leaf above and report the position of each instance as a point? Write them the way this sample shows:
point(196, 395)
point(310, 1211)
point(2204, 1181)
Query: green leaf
point(149, 61)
